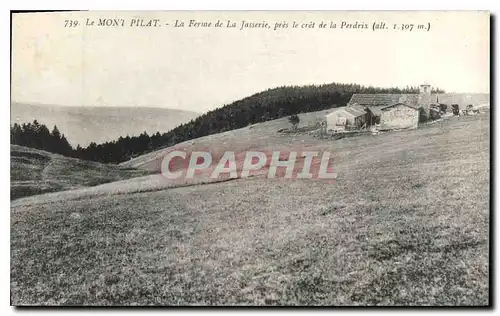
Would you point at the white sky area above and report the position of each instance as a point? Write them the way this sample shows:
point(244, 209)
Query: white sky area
point(199, 69)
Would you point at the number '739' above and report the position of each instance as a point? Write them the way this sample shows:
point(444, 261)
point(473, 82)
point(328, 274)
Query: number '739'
point(71, 23)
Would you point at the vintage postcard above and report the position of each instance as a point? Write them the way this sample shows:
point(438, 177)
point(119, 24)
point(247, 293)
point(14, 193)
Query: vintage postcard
point(250, 158)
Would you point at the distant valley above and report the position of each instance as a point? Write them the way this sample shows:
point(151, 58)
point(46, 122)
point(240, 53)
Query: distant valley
point(83, 125)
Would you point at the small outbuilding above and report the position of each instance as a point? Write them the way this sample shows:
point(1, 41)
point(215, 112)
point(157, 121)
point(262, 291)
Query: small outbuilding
point(343, 118)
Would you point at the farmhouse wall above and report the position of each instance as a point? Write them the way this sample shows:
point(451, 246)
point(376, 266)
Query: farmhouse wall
point(399, 116)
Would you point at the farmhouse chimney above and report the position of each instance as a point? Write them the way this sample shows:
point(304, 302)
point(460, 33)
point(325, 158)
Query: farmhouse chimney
point(425, 88)
point(424, 97)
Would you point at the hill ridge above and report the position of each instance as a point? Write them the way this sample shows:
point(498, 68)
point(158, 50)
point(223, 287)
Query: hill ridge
point(85, 124)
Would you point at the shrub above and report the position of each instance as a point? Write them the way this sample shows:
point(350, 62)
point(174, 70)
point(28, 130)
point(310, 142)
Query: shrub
point(294, 120)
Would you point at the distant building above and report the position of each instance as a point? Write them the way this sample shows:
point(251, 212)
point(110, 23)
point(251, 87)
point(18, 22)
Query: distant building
point(415, 100)
point(343, 118)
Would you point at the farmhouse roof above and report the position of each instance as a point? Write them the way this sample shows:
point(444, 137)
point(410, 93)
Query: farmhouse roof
point(353, 112)
point(374, 99)
point(369, 100)
point(377, 110)
point(385, 108)
point(358, 108)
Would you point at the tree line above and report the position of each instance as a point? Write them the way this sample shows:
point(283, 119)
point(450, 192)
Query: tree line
point(36, 135)
point(263, 106)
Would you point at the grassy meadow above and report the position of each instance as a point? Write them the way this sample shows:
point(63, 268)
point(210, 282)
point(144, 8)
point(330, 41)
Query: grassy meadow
point(36, 171)
point(405, 223)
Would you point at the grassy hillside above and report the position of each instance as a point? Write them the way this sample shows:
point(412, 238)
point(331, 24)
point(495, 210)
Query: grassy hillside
point(260, 135)
point(405, 223)
point(34, 171)
point(83, 125)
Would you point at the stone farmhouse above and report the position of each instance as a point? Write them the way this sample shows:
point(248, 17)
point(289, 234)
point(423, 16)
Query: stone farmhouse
point(396, 111)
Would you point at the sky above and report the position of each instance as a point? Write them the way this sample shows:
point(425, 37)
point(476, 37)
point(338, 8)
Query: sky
point(202, 68)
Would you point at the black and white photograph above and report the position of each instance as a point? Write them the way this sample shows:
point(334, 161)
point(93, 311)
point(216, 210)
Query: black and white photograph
point(250, 158)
